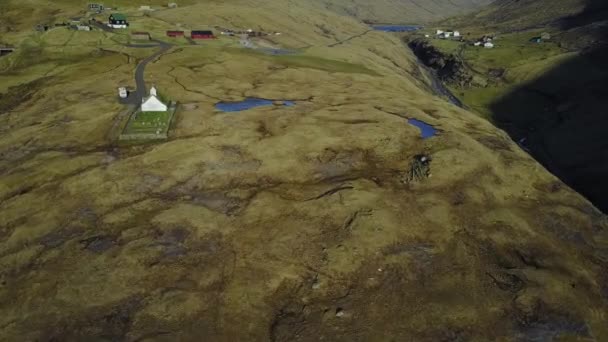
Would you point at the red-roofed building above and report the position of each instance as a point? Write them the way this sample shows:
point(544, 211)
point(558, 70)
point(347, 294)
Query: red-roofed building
point(202, 35)
point(175, 34)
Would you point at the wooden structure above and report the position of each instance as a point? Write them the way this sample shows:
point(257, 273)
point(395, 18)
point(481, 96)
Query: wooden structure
point(202, 35)
point(175, 34)
point(140, 35)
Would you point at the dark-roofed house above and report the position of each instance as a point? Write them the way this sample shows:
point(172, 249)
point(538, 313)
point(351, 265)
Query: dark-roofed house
point(118, 20)
point(5, 50)
point(95, 7)
point(202, 35)
point(140, 35)
point(175, 34)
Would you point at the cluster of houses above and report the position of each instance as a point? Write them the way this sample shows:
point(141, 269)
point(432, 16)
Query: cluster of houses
point(194, 34)
point(485, 41)
point(441, 34)
point(248, 32)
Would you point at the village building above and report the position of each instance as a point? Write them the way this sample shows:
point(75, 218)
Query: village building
point(83, 27)
point(145, 8)
point(439, 32)
point(488, 45)
point(140, 35)
point(174, 34)
point(456, 34)
point(477, 43)
point(202, 35)
point(172, 5)
point(95, 7)
point(152, 103)
point(5, 50)
point(118, 20)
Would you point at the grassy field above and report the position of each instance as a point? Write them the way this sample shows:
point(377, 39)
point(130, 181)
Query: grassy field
point(276, 223)
point(149, 123)
point(519, 60)
point(447, 46)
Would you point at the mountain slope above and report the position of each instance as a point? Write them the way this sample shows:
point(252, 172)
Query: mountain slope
point(402, 11)
point(552, 96)
point(281, 223)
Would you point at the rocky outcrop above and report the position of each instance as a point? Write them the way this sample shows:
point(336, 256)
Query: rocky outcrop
point(448, 67)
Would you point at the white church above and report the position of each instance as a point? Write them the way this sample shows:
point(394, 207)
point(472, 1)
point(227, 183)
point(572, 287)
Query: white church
point(152, 103)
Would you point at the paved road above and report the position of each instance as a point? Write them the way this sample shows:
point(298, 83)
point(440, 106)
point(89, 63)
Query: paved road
point(136, 97)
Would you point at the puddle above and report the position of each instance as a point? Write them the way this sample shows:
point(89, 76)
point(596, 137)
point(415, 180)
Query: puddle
point(271, 51)
point(249, 103)
point(426, 130)
point(396, 28)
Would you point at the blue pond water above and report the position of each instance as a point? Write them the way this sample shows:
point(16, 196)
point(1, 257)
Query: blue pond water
point(270, 51)
point(396, 28)
point(426, 130)
point(248, 103)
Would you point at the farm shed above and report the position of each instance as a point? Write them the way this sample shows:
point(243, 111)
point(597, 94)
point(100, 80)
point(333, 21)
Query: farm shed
point(202, 35)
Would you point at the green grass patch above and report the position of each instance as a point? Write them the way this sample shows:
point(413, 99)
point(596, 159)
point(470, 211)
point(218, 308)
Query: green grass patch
point(304, 61)
point(447, 46)
point(511, 51)
point(323, 64)
point(480, 99)
point(148, 122)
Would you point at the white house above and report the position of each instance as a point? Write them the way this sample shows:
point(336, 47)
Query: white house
point(477, 43)
point(447, 34)
point(439, 32)
point(152, 103)
point(488, 45)
point(456, 34)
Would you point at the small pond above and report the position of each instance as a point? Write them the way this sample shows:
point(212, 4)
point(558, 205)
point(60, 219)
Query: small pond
point(396, 28)
point(248, 103)
point(426, 130)
point(271, 51)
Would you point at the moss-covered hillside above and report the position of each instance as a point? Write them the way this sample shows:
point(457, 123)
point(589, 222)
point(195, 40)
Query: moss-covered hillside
point(278, 223)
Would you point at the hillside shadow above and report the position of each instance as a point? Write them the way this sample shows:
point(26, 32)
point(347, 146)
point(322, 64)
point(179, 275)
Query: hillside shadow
point(561, 118)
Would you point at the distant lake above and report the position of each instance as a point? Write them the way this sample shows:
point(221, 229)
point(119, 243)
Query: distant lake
point(426, 130)
point(396, 28)
point(248, 103)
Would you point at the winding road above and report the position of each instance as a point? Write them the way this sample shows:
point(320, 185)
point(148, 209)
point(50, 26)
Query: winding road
point(140, 83)
point(135, 98)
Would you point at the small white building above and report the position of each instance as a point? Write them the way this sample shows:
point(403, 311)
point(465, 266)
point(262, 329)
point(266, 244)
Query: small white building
point(439, 32)
point(172, 5)
point(83, 28)
point(488, 45)
point(145, 8)
point(447, 34)
point(456, 34)
point(477, 43)
point(152, 103)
